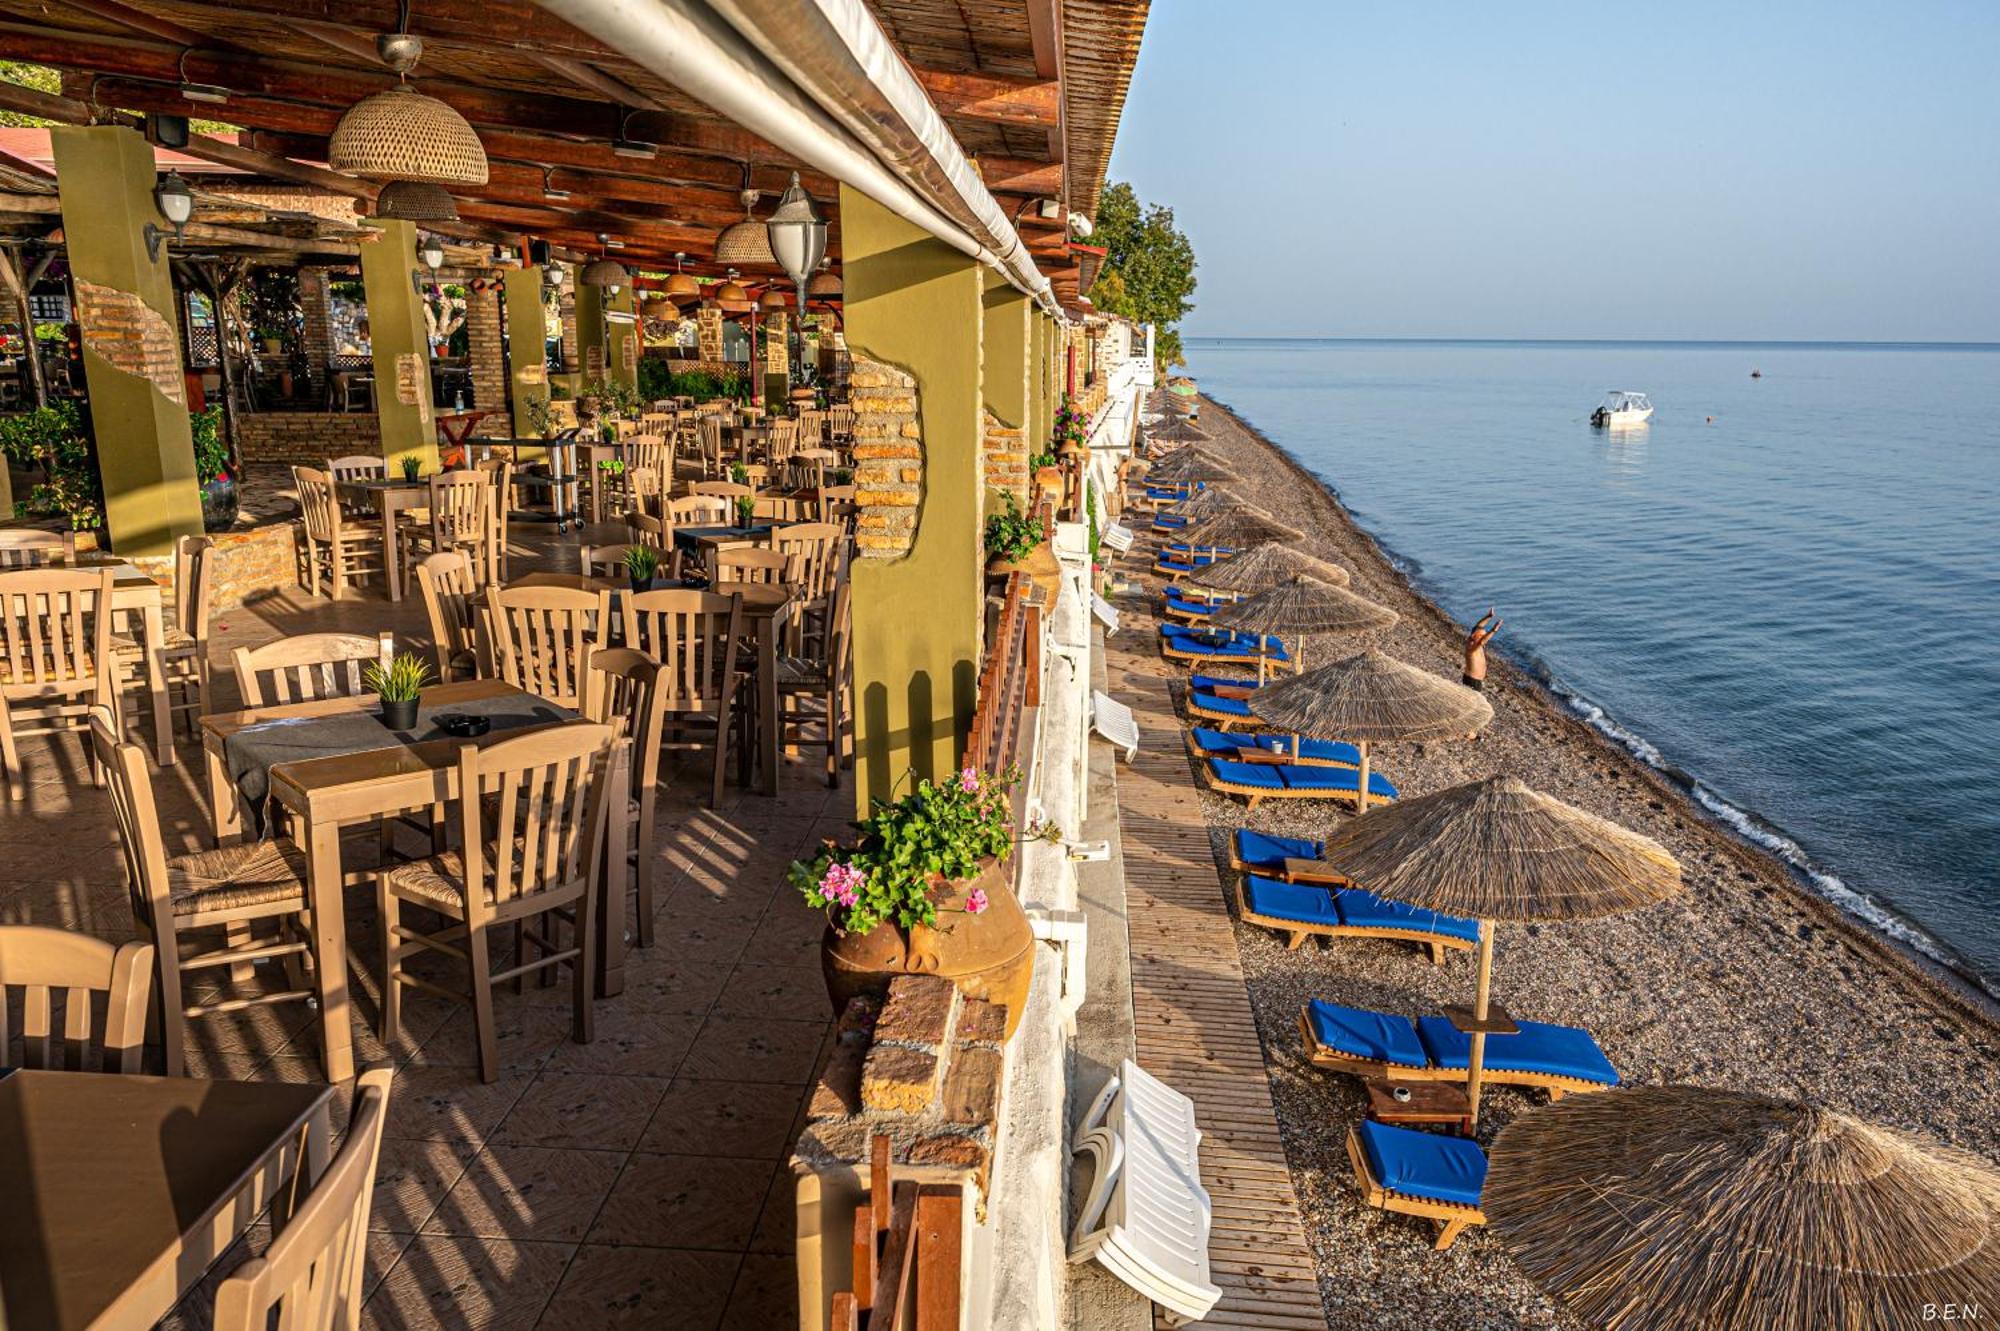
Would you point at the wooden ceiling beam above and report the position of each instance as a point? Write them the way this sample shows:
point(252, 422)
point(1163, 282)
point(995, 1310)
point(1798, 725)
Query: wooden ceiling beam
point(152, 25)
point(1005, 101)
point(1045, 37)
point(1019, 175)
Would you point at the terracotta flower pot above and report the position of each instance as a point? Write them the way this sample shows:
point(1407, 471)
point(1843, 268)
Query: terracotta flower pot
point(989, 955)
point(1050, 479)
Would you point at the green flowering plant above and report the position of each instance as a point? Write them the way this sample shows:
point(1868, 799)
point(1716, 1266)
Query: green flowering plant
point(1072, 426)
point(939, 831)
point(53, 438)
point(1010, 535)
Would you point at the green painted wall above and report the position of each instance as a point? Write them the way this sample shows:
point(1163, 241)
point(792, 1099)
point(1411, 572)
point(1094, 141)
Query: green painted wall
point(623, 343)
point(398, 339)
point(145, 451)
point(527, 338)
point(1007, 331)
point(1040, 419)
point(914, 302)
point(593, 356)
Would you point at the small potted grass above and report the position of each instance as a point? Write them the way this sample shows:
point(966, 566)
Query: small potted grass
point(739, 473)
point(642, 562)
point(746, 511)
point(399, 687)
point(413, 467)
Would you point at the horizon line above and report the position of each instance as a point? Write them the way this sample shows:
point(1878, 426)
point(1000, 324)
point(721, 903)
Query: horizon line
point(1616, 341)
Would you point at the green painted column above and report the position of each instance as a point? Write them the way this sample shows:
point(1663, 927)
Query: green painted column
point(1041, 418)
point(1007, 333)
point(527, 343)
point(621, 337)
point(398, 340)
point(913, 303)
point(593, 353)
point(131, 339)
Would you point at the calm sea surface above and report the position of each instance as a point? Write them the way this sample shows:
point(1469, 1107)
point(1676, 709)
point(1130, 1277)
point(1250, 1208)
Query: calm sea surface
point(1785, 590)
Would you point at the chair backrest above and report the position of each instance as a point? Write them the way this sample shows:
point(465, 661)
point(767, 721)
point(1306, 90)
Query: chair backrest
point(55, 629)
point(656, 423)
point(721, 489)
point(645, 529)
point(840, 420)
point(812, 427)
point(317, 503)
point(23, 547)
point(784, 439)
point(781, 508)
point(693, 636)
point(649, 451)
point(538, 803)
point(749, 563)
point(647, 488)
point(310, 1278)
point(699, 511)
point(451, 600)
point(358, 467)
point(310, 665)
point(193, 557)
point(623, 690)
point(814, 551)
point(39, 963)
point(836, 504)
point(499, 472)
point(543, 637)
point(608, 561)
point(708, 430)
point(138, 818)
point(804, 471)
point(461, 507)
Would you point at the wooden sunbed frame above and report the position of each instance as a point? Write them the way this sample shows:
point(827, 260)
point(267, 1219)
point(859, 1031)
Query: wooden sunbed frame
point(1247, 658)
point(1251, 794)
point(1452, 1217)
point(1296, 932)
point(1195, 751)
point(1333, 1060)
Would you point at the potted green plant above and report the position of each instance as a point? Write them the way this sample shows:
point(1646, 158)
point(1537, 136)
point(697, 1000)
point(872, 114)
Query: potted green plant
point(746, 510)
point(413, 467)
point(399, 687)
point(642, 562)
point(211, 469)
point(1010, 537)
point(739, 473)
point(924, 890)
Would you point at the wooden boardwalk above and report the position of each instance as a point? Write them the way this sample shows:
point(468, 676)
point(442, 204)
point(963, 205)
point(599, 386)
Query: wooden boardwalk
point(1195, 1026)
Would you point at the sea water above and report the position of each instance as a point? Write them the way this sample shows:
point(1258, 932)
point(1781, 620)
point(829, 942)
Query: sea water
point(1784, 591)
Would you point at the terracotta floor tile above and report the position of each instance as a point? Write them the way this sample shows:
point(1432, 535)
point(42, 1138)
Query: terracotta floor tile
point(645, 1289)
point(460, 1284)
point(449, 1104)
point(751, 1049)
point(524, 1036)
point(630, 1042)
point(750, 1119)
point(657, 982)
point(788, 936)
point(528, 1192)
point(788, 993)
point(766, 1295)
point(777, 1224)
point(684, 1201)
point(583, 1111)
point(411, 1177)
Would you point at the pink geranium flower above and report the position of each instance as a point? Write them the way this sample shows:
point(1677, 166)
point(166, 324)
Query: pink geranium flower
point(975, 901)
point(841, 885)
point(968, 781)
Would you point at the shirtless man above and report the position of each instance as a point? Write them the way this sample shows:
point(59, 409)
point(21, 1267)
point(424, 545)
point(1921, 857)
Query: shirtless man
point(1475, 650)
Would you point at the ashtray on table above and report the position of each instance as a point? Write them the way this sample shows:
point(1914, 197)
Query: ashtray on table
point(463, 725)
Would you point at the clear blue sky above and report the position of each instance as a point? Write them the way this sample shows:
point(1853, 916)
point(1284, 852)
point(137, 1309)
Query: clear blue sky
point(1780, 169)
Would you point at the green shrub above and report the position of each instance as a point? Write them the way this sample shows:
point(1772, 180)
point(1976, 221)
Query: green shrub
point(211, 455)
point(52, 438)
point(1012, 534)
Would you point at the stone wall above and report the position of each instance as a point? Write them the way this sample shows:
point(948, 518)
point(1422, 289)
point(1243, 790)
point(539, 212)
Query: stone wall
point(316, 305)
point(708, 325)
point(1005, 457)
point(245, 567)
point(888, 458)
point(484, 348)
point(566, 303)
point(306, 436)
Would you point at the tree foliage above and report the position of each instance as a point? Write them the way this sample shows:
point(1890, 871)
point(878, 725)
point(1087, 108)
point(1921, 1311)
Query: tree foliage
point(39, 77)
point(1149, 264)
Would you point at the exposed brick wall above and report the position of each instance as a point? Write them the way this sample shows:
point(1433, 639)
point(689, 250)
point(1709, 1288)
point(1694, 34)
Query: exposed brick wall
point(316, 305)
point(888, 458)
point(777, 343)
point(307, 436)
point(484, 348)
point(1004, 457)
point(708, 323)
point(566, 303)
point(246, 566)
point(131, 336)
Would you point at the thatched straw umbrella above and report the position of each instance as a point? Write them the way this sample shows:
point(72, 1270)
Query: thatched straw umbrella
point(1370, 698)
point(1677, 1206)
point(1189, 464)
point(1236, 529)
point(1178, 428)
point(1303, 607)
point(1498, 851)
point(1265, 566)
point(1207, 504)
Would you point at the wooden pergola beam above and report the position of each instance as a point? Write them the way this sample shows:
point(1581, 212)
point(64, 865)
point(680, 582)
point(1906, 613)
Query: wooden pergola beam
point(991, 97)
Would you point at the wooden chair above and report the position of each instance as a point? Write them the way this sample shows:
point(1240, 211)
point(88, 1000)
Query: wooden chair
point(644, 529)
point(784, 439)
point(709, 436)
point(25, 547)
point(310, 1278)
point(722, 490)
point(55, 658)
point(781, 509)
point(543, 637)
point(309, 665)
point(500, 471)
point(623, 690)
point(461, 518)
point(646, 488)
point(531, 840)
point(699, 511)
point(813, 550)
point(840, 422)
point(41, 963)
point(451, 600)
point(823, 678)
point(693, 635)
point(836, 504)
point(608, 561)
point(352, 549)
point(752, 564)
point(356, 467)
point(231, 889)
point(184, 655)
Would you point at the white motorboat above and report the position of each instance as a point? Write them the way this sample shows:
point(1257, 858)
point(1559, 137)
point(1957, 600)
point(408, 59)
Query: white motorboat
point(1621, 408)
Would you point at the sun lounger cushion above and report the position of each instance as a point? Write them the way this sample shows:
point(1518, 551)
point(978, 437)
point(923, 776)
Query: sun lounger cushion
point(1184, 563)
point(1181, 548)
point(1218, 742)
point(1187, 605)
point(1208, 702)
point(1255, 775)
point(1430, 1165)
point(1184, 637)
point(1222, 682)
point(1379, 1037)
point(1335, 780)
point(1260, 852)
point(1301, 903)
point(1539, 1047)
point(1362, 909)
point(1215, 741)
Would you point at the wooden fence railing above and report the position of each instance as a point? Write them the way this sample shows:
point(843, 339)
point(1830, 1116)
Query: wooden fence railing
point(1010, 679)
point(908, 1243)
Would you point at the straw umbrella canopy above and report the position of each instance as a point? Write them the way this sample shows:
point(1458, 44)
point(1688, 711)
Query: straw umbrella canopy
point(1303, 606)
point(1207, 504)
point(1189, 464)
point(1677, 1206)
point(1371, 698)
point(1178, 428)
point(1265, 566)
point(1498, 851)
point(1236, 528)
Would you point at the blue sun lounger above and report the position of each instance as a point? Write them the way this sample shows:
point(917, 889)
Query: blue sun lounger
point(1204, 742)
point(1168, 522)
point(1179, 605)
point(1181, 642)
point(1302, 910)
point(1181, 564)
point(1558, 1059)
point(1173, 494)
point(1427, 1174)
point(1262, 781)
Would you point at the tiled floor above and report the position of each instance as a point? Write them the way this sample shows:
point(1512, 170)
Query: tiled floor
point(639, 1180)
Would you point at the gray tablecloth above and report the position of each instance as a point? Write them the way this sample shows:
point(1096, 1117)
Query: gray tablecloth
point(252, 751)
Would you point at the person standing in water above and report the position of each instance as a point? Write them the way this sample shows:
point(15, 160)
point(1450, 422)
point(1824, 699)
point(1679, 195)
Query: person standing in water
point(1475, 649)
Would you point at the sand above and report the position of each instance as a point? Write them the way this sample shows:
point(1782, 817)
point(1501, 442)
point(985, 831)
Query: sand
point(1747, 980)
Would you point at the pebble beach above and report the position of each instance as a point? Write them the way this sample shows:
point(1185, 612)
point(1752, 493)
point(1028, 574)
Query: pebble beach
point(1746, 981)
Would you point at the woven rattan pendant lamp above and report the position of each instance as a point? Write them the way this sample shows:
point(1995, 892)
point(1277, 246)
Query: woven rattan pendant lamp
point(400, 134)
point(416, 201)
point(731, 297)
point(825, 284)
point(605, 273)
point(747, 241)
